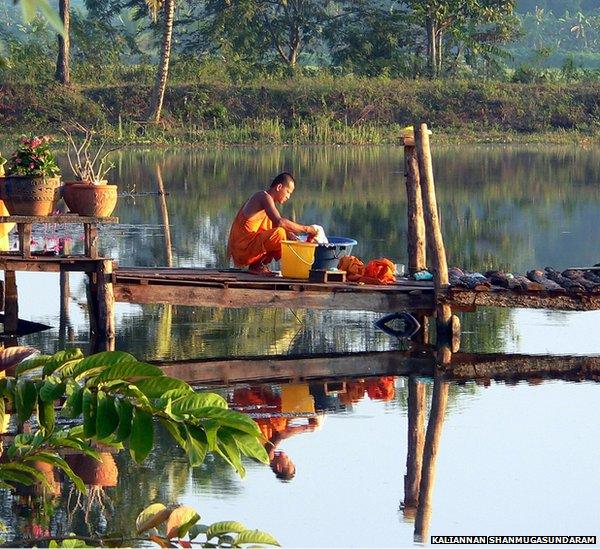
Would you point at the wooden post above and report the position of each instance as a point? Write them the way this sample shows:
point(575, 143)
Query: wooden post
point(164, 213)
point(439, 402)
point(416, 223)
point(434, 231)
point(416, 441)
point(11, 303)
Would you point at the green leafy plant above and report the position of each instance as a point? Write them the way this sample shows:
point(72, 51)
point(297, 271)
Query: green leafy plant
point(179, 522)
point(116, 399)
point(34, 158)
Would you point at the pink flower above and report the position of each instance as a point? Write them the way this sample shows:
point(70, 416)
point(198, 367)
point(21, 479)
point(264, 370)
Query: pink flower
point(32, 166)
point(36, 142)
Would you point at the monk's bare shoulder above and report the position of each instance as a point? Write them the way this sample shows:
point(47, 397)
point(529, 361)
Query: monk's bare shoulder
point(257, 202)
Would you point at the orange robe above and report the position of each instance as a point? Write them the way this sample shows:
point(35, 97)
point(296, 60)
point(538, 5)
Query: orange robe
point(253, 240)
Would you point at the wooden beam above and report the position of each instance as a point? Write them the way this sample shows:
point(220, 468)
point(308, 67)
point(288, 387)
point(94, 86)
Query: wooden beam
point(242, 297)
point(48, 264)
point(462, 367)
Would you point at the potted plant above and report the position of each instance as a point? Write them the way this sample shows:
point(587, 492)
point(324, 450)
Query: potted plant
point(31, 182)
point(90, 194)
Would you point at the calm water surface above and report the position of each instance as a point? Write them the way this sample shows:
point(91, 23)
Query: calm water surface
point(514, 459)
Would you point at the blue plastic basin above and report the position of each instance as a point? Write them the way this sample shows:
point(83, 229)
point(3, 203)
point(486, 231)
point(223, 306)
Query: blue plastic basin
point(328, 255)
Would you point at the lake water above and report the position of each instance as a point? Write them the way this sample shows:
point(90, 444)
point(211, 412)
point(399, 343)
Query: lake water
point(514, 458)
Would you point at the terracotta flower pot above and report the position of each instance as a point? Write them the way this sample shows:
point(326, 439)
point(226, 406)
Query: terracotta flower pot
point(94, 472)
point(29, 195)
point(89, 199)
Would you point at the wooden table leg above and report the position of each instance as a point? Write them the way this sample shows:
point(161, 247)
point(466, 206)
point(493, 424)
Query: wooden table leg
point(24, 230)
point(11, 303)
point(91, 240)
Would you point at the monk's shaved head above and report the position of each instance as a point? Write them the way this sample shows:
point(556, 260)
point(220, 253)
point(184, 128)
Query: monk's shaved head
point(284, 178)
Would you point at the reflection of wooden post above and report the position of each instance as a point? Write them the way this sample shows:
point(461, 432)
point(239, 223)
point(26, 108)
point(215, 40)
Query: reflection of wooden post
point(11, 302)
point(106, 306)
point(101, 302)
point(416, 440)
point(416, 222)
point(65, 294)
point(439, 401)
point(164, 213)
point(434, 231)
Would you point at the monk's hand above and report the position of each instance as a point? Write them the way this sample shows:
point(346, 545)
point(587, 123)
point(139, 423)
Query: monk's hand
point(312, 230)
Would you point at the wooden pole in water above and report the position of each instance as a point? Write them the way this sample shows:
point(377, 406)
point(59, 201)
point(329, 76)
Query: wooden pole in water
point(434, 231)
point(439, 402)
point(417, 260)
point(416, 441)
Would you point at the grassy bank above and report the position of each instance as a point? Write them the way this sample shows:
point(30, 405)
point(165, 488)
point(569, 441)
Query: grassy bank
point(345, 110)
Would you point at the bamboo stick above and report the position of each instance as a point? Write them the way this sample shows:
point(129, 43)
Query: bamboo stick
point(417, 259)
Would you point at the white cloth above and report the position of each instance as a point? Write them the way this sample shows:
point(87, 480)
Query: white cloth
point(321, 237)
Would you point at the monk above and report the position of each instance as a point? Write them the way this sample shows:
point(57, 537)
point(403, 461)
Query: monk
point(258, 229)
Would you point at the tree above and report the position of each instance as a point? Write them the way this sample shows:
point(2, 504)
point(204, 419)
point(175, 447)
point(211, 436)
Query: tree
point(465, 20)
point(267, 29)
point(62, 62)
point(162, 72)
point(373, 38)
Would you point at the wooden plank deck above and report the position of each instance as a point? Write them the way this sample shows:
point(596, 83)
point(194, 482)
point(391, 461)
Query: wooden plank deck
point(234, 288)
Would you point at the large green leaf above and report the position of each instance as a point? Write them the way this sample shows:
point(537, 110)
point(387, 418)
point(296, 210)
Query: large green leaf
point(31, 363)
point(192, 402)
point(46, 415)
point(196, 446)
point(129, 371)
point(255, 536)
point(25, 399)
point(97, 363)
point(61, 359)
point(107, 417)
point(73, 406)
point(224, 527)
point(90, 409)
point(228, 450)
point(177, 430)
point(2, 413)
point(125, 413)
point(180, 520)
point(250, 446)
point(155, 387)
point(52, 389)
point(59, 462)
point(150, 517)
point(142, 435)
point(229, 418)
point(32, 472)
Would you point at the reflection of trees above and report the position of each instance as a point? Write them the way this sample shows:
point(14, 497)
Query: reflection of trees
point(500, 205)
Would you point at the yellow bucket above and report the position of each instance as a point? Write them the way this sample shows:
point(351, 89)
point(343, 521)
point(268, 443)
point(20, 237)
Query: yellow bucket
point(297, 258)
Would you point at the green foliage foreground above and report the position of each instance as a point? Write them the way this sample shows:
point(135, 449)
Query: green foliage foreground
point(115, 400)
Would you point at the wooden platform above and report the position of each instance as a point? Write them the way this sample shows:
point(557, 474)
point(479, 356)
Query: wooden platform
point(235, 289)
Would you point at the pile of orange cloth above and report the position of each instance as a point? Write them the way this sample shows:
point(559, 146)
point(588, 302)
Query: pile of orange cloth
point(377, 271)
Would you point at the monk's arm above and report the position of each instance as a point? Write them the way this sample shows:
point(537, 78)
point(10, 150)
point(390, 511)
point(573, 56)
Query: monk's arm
point(279, 221)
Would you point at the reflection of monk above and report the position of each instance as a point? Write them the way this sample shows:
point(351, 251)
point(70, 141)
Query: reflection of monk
point(377, 388)
point(263, 400)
